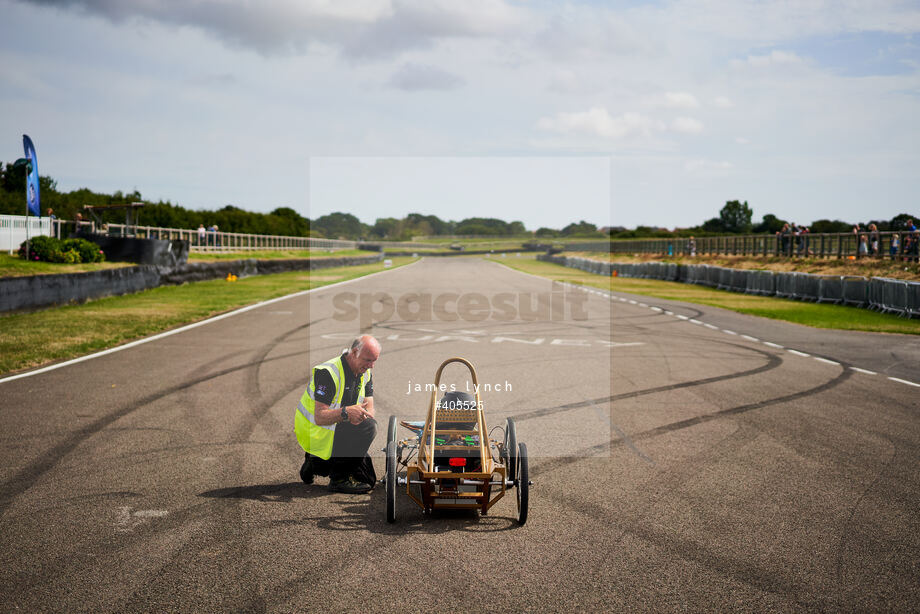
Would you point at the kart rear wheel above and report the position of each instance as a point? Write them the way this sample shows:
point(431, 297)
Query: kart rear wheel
point(510, 448)
point(523, 484)
point(391, 481)
point(391, 429)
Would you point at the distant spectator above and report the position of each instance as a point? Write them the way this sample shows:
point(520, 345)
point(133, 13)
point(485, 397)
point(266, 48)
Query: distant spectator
point(78, 223)
point(691, 246)
point(863, 246)
point(803, 241)
point(910, 226)
point(55, 228)
point(216, 235)
point(895, 245)
point(873, 239)
point(202, 234)
point(784, 236)
point(912, 247)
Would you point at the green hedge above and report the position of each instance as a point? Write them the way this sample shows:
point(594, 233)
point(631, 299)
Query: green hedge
point(69, 251)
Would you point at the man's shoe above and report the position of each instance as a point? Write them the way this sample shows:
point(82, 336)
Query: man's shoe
point(350, 486)
point(306, 471)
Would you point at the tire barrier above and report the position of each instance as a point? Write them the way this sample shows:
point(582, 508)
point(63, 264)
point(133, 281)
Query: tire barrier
point(39, 291)
point(157, 252)
point(894, 296)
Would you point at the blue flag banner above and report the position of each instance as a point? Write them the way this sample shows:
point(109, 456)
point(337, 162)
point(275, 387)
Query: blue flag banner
point(32, 196)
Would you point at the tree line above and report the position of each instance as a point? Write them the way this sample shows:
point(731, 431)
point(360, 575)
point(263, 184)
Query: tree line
point(735, 217)
point(283, 221)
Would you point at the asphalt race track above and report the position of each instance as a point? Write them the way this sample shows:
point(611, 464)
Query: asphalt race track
point(683, 458)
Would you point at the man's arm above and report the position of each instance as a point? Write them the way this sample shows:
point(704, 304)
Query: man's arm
point(324, 415)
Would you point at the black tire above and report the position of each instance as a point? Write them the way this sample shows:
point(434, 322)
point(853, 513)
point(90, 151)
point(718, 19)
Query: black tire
point(523, 484)
point(510, 448)
point(391, 429)
point(391, 481)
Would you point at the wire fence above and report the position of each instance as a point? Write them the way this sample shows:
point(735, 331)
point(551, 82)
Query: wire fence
point(846, 245)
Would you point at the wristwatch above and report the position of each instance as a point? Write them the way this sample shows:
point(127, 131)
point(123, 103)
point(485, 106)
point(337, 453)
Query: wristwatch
point(344, 415)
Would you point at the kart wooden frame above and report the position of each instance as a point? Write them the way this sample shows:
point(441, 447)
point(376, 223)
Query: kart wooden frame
point(433, 486)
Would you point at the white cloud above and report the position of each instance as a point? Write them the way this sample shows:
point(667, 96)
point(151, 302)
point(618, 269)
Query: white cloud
point(418, 24)
point(592, 34)
point(597, 121)
point(328, 77)
point(774, 58)
point(687, 125)
point(414, 77)
point(680, 100)
point(362, 28)
point(702, 165)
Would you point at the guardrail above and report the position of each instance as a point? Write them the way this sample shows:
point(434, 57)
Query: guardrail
point(211, 241)
point(216, 241)
point(896, 296)
point(877, 244)
point(13, 233)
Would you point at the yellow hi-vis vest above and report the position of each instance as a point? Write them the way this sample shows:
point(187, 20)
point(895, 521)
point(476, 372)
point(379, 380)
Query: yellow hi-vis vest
point(314, 438)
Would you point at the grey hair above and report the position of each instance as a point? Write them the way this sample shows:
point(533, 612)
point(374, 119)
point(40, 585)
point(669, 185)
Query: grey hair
point(357, 344)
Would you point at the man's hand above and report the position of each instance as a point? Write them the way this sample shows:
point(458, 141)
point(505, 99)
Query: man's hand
point(357, 413)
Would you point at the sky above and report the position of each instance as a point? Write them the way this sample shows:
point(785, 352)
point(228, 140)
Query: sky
point(618, 113)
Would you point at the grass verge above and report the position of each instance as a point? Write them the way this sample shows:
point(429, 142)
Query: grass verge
point(14, 266)
point(32, 339)
point(809, 314)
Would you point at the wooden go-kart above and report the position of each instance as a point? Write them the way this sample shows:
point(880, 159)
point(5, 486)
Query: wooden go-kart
point(450, 462)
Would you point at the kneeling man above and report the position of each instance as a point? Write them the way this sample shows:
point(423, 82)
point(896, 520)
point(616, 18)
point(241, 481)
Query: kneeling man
point(334, 421)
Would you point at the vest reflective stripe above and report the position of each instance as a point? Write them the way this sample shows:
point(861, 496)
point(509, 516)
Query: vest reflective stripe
point(309, 417)
point(313, 438)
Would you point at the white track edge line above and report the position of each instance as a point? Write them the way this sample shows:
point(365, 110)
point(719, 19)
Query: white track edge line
point(181, 329)
point(724, 330)
point(903, 381)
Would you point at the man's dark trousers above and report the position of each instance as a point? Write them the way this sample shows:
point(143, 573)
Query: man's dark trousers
point(349, 453)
